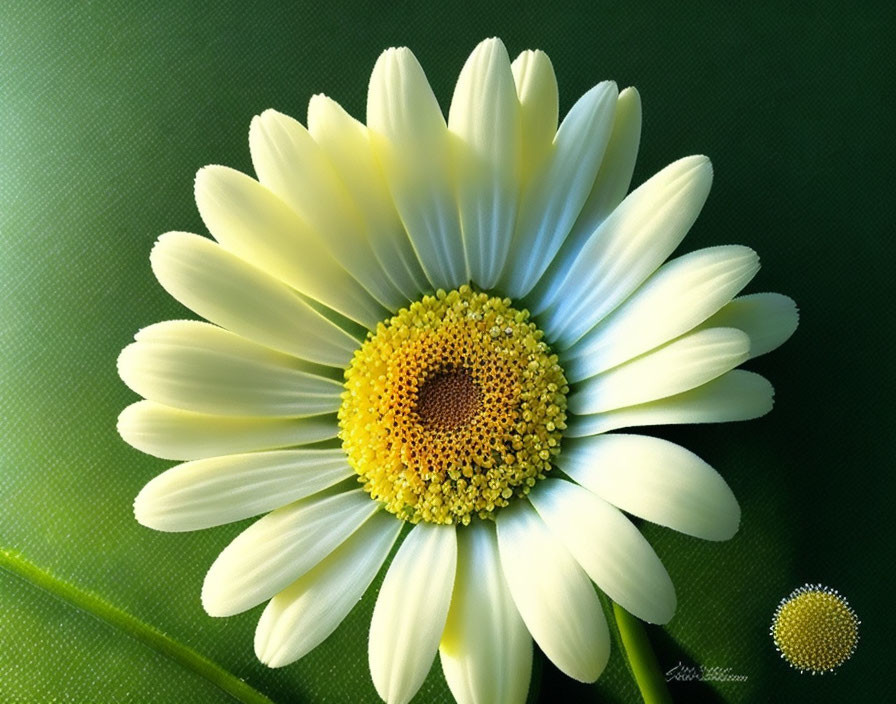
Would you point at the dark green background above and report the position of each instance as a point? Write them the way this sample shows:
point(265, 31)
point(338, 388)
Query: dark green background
point(106, 112)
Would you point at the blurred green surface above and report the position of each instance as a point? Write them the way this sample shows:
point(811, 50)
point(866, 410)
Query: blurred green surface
point(108, 109)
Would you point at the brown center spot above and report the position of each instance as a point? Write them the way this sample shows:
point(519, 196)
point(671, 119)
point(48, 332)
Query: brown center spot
point(448, 399)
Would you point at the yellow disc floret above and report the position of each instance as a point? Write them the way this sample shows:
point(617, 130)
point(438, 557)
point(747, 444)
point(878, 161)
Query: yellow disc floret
point(452, 408)
point(815, 629)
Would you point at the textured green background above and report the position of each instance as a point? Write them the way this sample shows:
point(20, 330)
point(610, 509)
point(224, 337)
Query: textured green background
point(106, 112)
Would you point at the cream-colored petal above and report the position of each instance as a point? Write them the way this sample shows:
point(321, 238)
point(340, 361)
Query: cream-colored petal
point(485, 124)
point(219, 490)
point(346, 143)
point(676, 367)
point(175, 434)
point(615, 174)
point(410, 141)
point(278, 549)
point(553, 199)
point(290, 163)
point(411, 610)
point(250, 221)
point(768, 318)
point(553, 594)
point(627, 248)
point(304, 614)
point(199, 367)
point(486, 651)
point(684, 292)
point(232, 293)
point(656, 480)
point(737, 395)
point(536, 89)
point(608, 547)
point(610, 186)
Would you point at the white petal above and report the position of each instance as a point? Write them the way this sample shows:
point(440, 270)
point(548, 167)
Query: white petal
point(628, 247)
point(290, 163)
point(304, 614)
point(615, 174)
point(175, 434)
point(609, 547)
point(610, 186)
point(485, 119)
point(410, 140)
point(486, 651)
point(676, 367)
point(202, 368)
point(278, 549)
point(218, 490)
point(737, 395)
point(553, 594)
point(768, 318)
point(656, 480)
point(253, 223)
point(536, 89)
point(346, 142)
point(232, 293)
point(553, 199)
point(683, 293)
point(411, 610)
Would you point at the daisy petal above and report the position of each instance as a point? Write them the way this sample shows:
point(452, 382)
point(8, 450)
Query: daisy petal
point(615, 174)
point(289, 162)
point(485, 120)
point(232, 293)
point(304, 614)
point(610, 186)
point(609, 547)
point(676, 367)
point(737, 395)
point(553, 199)
point(768, 318)
point(683, 293)
point(250, 221)
point(174, 434)
point(411, 610)
point(536, 89)
point(203, 368)
point(347, 144)
point(486, 650)
point(219, 490)
point(554, 596)
point(656, 480)
point(278, 549)
point(628, 247)
point(410, 140)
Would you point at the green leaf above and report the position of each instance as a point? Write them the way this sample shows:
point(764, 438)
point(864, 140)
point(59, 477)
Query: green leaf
point(56, 619)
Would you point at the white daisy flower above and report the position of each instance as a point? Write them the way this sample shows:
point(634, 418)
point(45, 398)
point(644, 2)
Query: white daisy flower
point(517, 308)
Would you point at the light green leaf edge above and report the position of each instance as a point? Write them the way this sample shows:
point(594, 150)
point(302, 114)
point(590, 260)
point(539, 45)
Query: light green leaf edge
point(94, 605)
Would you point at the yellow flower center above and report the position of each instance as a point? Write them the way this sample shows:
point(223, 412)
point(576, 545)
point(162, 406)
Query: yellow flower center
point(452, 408)
point(815, 629)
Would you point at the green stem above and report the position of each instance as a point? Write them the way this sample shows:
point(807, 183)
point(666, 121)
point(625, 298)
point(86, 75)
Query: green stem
point(641, 659)
point(95, 605)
